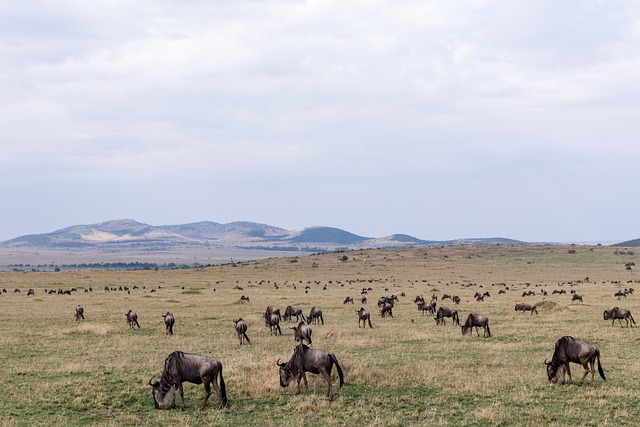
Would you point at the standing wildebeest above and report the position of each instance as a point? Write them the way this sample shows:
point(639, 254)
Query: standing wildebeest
point(314, 315)
point(348, 300)
point(132, 319)
point(272, 310)
point(576, 297)
point(245, 298)
point(169, 320)
point(526, 307)
point(302, 332)
point(456, 299)
point(620, 294)
point(427, 306)
point(290, 311)
point(364, 317)
point(476, 320)
point(181, 367)
point(272, 321)
point(386, 309)
point(79, 313)
point(241, 330)
point(313, 360)
point(619, 313)
point(447, 312)
point(363, 300)
point(569, 349)
point(418, 299)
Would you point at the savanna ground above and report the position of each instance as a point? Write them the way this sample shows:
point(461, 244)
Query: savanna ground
point(404, 371)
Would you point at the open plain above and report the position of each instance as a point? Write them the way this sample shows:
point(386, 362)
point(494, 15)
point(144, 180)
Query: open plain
point(404, 371)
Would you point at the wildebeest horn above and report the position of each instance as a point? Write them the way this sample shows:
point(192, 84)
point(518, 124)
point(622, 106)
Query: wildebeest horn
point(546, 363)
point(152, 382)
point(279, 364)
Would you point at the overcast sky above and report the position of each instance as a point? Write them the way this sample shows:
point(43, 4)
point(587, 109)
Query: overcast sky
point(437, 119)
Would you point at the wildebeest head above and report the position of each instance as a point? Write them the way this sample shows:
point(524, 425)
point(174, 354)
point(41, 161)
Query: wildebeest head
point(161, 395)
point(552, 371)
point(287, 372)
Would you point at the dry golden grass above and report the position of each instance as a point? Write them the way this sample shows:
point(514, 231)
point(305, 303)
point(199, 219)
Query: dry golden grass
point(404, 371)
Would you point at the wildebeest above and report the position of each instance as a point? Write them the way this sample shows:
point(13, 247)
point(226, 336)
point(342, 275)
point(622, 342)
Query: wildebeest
point(272, 321)
point(576, 297)
point(364, 316)
point(569, 349)
point(526, 307)
point(427, 306)
point(418, 299)
point(315, 315)
point(620, 294)
point(302, 332)
point(241, 330)
point(348, 300)
point(272, 310)
point(313, 360)
point(363, 300)
point(169, 320)
point(290, 311)
point(181, 367)
point(456, 299)
point(245, 298)
point(476, 320)
point(619, 313)
point(31, 292)
point(79, 313)
point(386, 309)
point(447, 312)
point(132, 319)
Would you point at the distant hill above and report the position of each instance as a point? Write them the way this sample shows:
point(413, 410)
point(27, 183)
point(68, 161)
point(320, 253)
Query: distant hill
point(630, 243)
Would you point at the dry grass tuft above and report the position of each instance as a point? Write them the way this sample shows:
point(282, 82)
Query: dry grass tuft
point(91, 329)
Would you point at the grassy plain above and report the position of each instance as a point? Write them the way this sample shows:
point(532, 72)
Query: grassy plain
point(404, 371)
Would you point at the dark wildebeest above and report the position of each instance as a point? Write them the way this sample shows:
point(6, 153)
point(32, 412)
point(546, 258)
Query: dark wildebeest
point(363, 300)
point(456, 299)
point(386, 309)
point(476, 320)
point(302, 332)
point(314, 316)
point(364, 317)
point(427, 306)
point(290, 311)
point(620, 294)
point(79, 313)
point(169, 320)
point(272, 310)
point(313, 360)
point(569, 349)
point(619, 313)
point(348, 300)
point(447, 312)
point(181, 367)
point(272, 321)
point(132, 319)
point(418, 299)
point(245, 298)
point(241, 330)
point(576, 297)
point(526, 307)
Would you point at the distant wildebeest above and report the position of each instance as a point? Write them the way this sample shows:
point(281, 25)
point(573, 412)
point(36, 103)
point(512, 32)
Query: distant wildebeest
point(476, 320)
point(526, 307)
point(447, 312)
point(169, 321)
point(559, 291)
point(619, 313)
point(315, 316)
point(387, 300)
point(456, 299)
point(132, 319)
point(79, 313)
point(363, 300)
point(569, 349)
point(312, 360)
point(386, 310)
point(272, 310)
point(576, 297)
point(302, 333)
point(290, 311)
point(245, 298)
point(418, 299)
point(241, 330)
point(502, 291)
point(272, 321)
point(427, 306)
point(364, 316)
point(31, 292)
point(445, 296)
point(181, 367)
point(348, 300)
point(620, 294)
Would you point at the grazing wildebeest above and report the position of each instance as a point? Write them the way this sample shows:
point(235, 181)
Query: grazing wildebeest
point(569, 349)
point(302, 332)
point(447, 312)
point(387, 300)
point(620, 294)
point(181, 367)
point(386, 309)
point(79, 313)
point(364, 316)
point(314, 316)
point(241, 330)
point(245, 298)
point(445, 296)
point(31, 292)
point(619, 313)
point(348, 300)
point(313, 360)
point(132, 319)
point(272, 310)
point(476, 320)
point(419, 299)
point(427, 306)
point(363, 300)
point(456, 299)
point(169, 320)
point(272, 321)
point(526, 307)
point(576, 297)
point(290, 311)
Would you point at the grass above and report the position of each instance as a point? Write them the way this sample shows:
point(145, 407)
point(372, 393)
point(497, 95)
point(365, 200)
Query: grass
point(404, 371)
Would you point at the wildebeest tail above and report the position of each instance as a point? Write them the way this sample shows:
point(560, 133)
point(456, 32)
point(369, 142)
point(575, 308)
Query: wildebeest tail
point(369, 319)
point(632, 320)
point(338, 368)
point(600, 371)
point(488, 330)
point(223, 388)
point(246, 337)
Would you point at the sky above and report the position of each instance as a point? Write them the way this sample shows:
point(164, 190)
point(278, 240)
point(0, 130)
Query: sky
point(436, 119)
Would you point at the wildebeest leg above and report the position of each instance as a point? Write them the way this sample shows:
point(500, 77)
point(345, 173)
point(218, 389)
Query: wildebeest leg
point(299, 379)
point(586, 372)
point(306, 385)
point(477, 332)
point(568, 371)
point(207, 393)
point(181, 394)
point(327, 378)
